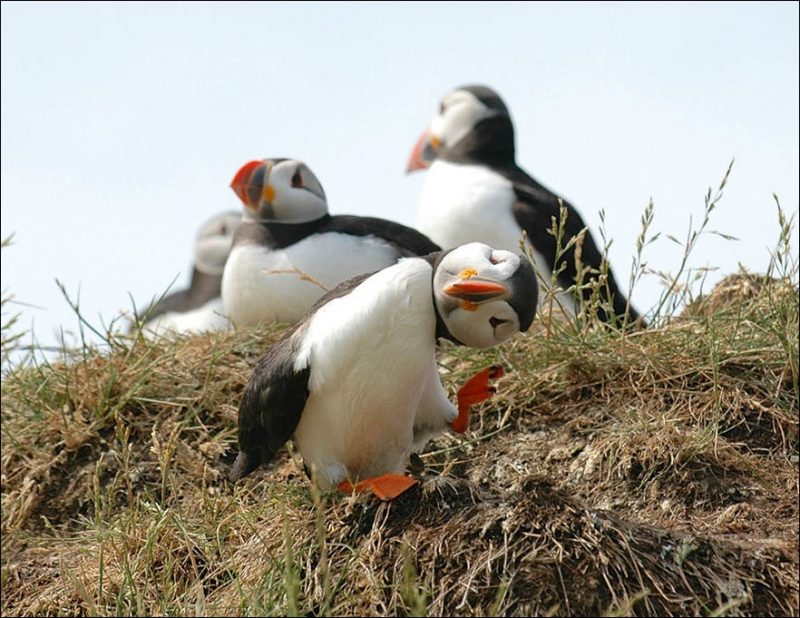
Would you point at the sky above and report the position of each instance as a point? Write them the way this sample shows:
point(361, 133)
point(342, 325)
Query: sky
point(123, 125)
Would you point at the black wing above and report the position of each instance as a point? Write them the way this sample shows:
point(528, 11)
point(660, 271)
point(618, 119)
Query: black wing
point(534, 210)
point(408, 241)
point(176, 301)
point(203, 288)
point(271, 406)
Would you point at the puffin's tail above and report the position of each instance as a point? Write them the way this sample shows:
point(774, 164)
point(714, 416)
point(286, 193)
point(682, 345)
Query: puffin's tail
point(245, 463)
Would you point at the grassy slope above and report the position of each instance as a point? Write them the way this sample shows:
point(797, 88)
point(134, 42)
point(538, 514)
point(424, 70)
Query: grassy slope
point(650, 472)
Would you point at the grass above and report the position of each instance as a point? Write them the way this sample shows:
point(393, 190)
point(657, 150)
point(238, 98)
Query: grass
point(637, 472)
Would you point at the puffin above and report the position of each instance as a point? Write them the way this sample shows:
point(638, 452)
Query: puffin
point(199, 307)
point(289, 250)
point(475, 191)
point(355, 382)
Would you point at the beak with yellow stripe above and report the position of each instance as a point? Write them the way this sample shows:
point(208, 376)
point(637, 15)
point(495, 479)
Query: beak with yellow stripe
point(473, 290)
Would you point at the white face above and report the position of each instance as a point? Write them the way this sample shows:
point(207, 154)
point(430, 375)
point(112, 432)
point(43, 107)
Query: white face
point(213, 242)
point(459, 111)
point(285, 191)
point(298, 194)
point(472, 287)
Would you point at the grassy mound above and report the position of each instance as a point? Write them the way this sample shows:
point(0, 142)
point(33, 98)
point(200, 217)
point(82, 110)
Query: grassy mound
point(649, 472)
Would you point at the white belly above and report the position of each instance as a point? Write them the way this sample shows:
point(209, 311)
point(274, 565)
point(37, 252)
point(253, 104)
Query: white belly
point(210, 316)
point(470, 203)
point(368, 375)
point(262, 285)
point(467, 203)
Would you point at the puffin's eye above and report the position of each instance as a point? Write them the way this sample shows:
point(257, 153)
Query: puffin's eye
point(441, 108)
point(297, 179)
point(495, 260)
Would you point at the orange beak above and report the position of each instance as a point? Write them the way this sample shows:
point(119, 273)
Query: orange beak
point(476, 290)
point(422, 154)
point(244, 185)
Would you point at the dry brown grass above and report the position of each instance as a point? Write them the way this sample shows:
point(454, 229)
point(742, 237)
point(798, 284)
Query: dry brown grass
point(653, 472)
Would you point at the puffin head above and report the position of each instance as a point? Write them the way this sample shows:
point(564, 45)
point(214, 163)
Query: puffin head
point(484, 296)
point(282, 190)
point(213, 242)
point(472, 126)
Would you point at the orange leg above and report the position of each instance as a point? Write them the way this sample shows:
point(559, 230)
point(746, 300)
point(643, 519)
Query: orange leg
point(386, 487)
point(475, 390)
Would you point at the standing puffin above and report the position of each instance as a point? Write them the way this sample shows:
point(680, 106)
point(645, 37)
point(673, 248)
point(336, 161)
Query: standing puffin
point(355, 383)
point(475, 191)
point(289, 251)
point(198, 308)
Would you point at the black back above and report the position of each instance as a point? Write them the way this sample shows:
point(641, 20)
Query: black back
point(406, 241)
point(534, 210)
point(203, 288)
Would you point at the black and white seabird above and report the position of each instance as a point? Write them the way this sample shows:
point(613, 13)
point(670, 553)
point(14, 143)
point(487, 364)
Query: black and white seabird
point(198, 308)
point(355, 383)
point(289, 250)
point(475, 191)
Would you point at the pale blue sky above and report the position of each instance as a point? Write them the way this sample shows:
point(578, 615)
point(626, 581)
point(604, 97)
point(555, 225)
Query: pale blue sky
point(122, 124)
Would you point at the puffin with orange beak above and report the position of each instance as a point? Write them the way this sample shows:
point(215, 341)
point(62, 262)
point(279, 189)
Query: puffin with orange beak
point(289, 250)
point(475, 191)
point(355, 383)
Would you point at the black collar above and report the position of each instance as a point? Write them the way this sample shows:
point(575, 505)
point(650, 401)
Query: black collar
point(442, 332)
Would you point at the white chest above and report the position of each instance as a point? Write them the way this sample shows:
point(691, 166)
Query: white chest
point(470, 203)
point(371, 357)
point(262, 285)
point(467, 203)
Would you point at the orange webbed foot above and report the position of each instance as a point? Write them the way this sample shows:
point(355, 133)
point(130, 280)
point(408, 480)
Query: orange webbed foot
point(475, 390)
point(386, 487)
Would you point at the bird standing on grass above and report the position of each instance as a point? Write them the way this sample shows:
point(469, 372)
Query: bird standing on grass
point(355, 383)
point(289, 250)
point(475, 191)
